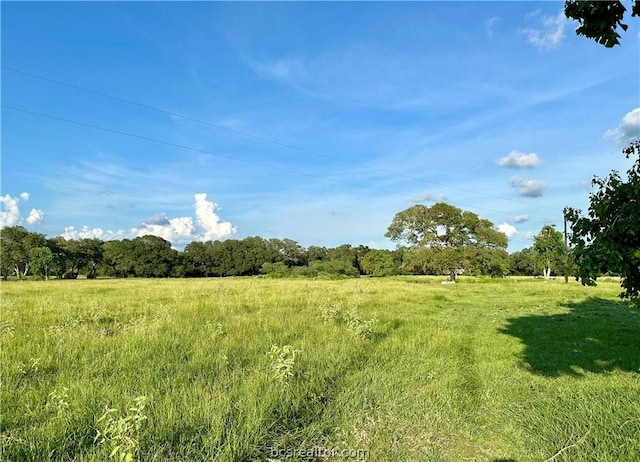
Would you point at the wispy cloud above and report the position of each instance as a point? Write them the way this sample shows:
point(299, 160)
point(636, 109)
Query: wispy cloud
point(491, 24)
point(629, 128)
point(520, 219)
point(550, 32)
point(285, 69)
point(430, 197)
point(517, 159)
point(528, 187)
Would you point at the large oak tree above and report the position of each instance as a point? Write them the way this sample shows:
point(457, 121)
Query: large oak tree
point(450, 233)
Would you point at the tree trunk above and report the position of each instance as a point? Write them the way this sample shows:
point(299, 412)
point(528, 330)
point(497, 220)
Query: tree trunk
point(452, 275)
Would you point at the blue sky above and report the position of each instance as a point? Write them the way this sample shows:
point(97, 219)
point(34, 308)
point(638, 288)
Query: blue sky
point(313, 121)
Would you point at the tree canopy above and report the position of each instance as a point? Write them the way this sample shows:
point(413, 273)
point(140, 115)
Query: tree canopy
point(608, 238)
point(549, 248)
point(451, 234)
point(599, 20)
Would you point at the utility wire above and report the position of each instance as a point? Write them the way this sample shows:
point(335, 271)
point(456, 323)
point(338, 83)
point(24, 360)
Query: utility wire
point(226, 156)
point(267, 140)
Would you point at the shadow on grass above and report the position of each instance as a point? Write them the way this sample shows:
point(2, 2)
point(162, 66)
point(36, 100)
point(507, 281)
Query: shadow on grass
point(596, 335)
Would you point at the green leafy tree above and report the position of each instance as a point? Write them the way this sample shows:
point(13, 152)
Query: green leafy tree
point(522, 262)
point(15, 245)
point(599, 20)
point(549, 249)
point(316, 253)
point(608, 238)
point(118, 257)
point(287, 251)
point(41, 259)
point(379, 263)
point(152, 256)
point(451, 233)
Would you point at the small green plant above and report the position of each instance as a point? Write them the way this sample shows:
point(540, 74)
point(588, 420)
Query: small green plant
point(30, 368)
point(359, 327)
point(328, 312)
point(283, 359)
point(59, 400)
point(7, 328)
point(119, 434)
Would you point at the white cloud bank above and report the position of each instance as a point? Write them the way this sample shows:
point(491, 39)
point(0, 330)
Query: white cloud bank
point(517, 159)
point(207, 226)
point(629, 128)
point(10, 214)
point(550, 34)
point(528, 187)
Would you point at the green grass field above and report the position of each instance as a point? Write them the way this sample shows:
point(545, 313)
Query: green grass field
point(396, 369)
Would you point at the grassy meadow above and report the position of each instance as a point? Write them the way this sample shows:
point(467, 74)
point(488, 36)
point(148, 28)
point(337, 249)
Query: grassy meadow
point(393, 369)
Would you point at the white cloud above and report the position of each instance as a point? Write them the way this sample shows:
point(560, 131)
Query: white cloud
point(490, 25)
point(520, 218)
point(507, 229)
point(550, 34)
point(628, 130)
point(35, 216)
point(528, 187)
point(207, 226)
point(517, 159)
point(10, 214)
point(429, 196)
point(71, 233)
point(209, 221)
point(176, 230)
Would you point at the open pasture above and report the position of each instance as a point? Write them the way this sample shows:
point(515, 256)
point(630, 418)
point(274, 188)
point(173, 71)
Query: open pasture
point(394, 369)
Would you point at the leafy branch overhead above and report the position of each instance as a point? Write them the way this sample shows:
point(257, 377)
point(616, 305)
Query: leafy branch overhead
point(608, 239)
point(599, 20)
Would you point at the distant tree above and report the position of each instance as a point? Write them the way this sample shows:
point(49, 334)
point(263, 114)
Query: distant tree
point(451, 233)
point(15, 245)
point(608, 239)
point(599, 20)
point(197, 260)
point(549, 248)
point(487, 262)
point(379, 263)
point(523, 262)
point(119, 257)
point(152, 256)
point(90, 256)
point(316, 253)
point(57, 247)
point(41, 259)
point(287, 251)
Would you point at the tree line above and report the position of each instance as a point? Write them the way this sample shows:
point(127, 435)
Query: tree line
point(25, 254)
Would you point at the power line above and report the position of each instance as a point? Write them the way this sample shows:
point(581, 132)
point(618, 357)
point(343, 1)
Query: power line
point(267, 140)
point(226, 156)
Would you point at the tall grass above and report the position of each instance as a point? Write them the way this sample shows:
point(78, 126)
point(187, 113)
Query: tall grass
point(401, 368)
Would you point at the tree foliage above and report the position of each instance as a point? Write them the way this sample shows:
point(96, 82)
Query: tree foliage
point(452, 236)
point(41, 259)
point(608, 238)
point(549, 249)
point(599, 20)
